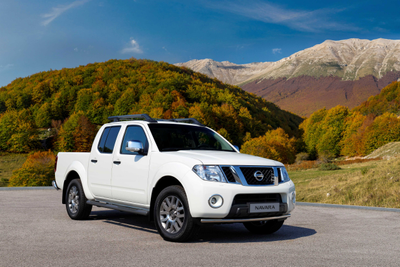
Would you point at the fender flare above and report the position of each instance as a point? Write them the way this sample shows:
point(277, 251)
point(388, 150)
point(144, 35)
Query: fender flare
point(78, 168)
point(172, 169)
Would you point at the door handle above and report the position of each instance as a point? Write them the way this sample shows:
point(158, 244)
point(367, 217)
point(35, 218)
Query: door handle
point(117, 162)
point(94, 160)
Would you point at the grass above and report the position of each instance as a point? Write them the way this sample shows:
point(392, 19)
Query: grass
point(373, 183)
point(388, 150)
point(8, 163)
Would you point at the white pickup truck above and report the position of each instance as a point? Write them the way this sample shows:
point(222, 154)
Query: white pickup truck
point(179, 174)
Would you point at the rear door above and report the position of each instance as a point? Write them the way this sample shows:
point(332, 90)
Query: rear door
point(130, 169)
point(100, 164)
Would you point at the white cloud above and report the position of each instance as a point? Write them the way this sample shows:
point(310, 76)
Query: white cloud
point(57, 11)
point(76, 49)
point(6, 67)
point(132, 48)
point(302, 20)
point(277, 51)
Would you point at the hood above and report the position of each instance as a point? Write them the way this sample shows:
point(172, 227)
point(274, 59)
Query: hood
point(226, 158)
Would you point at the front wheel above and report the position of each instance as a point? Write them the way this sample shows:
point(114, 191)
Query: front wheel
point(263, 227)
point(172, 216)
point(76, 205)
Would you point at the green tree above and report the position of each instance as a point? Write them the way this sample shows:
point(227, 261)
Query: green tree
point(332, 128)
point(43, 116)
point(17, 131)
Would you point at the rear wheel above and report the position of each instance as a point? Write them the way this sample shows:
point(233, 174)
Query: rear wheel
point(172, 216)
point(76, 205)
point(263, 227)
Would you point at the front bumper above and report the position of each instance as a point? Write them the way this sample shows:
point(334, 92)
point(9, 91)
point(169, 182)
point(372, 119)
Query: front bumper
point(199, 193)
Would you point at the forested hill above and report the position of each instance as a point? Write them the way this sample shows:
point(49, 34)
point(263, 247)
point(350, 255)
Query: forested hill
point(356, 132)
point(118, 87)
point(387, 101)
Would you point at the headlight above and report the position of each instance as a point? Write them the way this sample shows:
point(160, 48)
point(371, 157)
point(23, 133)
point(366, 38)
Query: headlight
point(285, 175)
point(209, 173)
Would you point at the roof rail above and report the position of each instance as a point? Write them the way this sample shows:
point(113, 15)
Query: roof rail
point(145, 117)
point(191, 120)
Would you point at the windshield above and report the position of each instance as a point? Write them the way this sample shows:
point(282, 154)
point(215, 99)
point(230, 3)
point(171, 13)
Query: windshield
point(172, 137)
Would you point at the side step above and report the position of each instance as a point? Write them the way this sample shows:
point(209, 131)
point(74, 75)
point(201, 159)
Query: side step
point(140, 211)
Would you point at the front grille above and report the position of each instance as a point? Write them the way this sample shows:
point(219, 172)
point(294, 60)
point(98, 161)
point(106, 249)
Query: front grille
point(228, 174)
point(248, 173)
point(257, 198)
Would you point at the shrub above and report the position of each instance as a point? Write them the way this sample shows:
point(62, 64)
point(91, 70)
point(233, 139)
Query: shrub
point(328, 167)
point(38, 170)
point(3, 182)
point(304, 165)
point(325, 156)
point(364, 170)
point(301, 157)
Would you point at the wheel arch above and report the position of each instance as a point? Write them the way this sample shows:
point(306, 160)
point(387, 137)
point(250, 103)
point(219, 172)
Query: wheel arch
point(160, 185)
point(70, 176)
point(77, 170)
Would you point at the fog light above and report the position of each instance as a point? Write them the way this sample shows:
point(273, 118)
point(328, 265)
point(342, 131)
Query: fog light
point(215, 201)
point(294, 197)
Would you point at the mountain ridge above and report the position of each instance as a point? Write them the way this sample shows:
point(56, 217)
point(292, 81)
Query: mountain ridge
point(338, 67)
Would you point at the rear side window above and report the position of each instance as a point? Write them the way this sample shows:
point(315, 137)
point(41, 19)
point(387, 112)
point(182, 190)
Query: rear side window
point(108, 138)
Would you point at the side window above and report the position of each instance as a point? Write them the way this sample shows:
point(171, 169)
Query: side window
point(107, 141)
point(134, 133)
point(103, 139)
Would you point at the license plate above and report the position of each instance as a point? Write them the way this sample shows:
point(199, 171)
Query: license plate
point(264, 207)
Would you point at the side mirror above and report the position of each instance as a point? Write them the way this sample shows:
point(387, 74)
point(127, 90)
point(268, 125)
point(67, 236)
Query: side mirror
point(135, 146)
point(237, 148)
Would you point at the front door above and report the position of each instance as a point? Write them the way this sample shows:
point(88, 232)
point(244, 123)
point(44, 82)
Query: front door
point(130, 169)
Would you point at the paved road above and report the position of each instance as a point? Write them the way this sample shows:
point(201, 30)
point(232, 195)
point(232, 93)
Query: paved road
point(35, 230)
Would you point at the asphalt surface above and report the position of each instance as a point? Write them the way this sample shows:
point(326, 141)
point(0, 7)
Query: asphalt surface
point(35, 230)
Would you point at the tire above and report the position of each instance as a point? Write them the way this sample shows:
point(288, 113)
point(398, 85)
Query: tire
point(172, 215)
point(263, 227)
point(76, 205)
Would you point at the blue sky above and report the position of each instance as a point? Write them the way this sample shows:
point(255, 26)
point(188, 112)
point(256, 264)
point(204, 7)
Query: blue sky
point(42, 35)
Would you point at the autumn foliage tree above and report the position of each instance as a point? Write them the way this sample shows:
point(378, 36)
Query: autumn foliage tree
point(76, 134)
point(84, 134)
point(38, 170)
point(353, 141)
point(275, 144)
point(384, 129)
